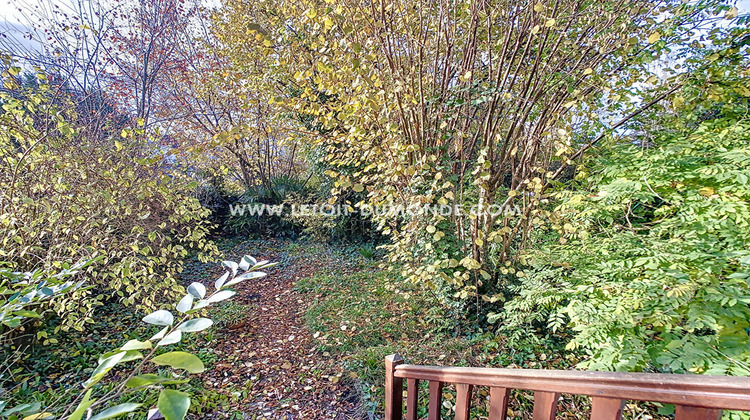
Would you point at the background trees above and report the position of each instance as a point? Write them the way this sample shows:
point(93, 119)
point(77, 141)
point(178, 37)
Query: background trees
point(468, 104)
point(477, 104)
point(596, 151)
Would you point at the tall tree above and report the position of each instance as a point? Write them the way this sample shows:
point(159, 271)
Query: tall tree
point(477, 104)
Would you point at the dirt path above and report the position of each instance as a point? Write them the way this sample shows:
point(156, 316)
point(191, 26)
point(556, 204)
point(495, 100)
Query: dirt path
point(270, 358)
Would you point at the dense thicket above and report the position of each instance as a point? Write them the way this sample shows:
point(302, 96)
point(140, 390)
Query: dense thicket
point(530, 108)
point(575, 171)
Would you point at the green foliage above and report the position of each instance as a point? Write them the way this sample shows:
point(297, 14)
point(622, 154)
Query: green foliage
point(26, 299)
point(367, 251)
point(69, 191)
point(651, 266)
point(281, 191)
point(25, 296)
point(362, 317)
point(98, 397)
point(414, 118)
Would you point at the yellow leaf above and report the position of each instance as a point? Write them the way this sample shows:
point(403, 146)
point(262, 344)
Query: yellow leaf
point(654, 37)
point(118, 145)
point(358, 187)
point(706, 191)
point(538, 7)
point(677, 101)
point(588, 71)
point(731, 13)
point(535, 30)
point(479, 242)
point(742, 90)
point(311, 13)
point(550, 23)
point(431, 229)
point(38, 416)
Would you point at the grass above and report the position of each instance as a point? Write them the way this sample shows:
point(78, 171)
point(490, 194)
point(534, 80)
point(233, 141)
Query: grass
point(365, 316)
point(362, 317)
point(229, 313)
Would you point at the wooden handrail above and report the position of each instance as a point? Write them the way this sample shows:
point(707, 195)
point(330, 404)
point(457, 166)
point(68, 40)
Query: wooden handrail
point(695, 396)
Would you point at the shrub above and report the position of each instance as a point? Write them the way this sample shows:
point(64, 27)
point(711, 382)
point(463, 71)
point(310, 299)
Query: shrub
point(102, 401)
point(69, 191)
point(651, 266)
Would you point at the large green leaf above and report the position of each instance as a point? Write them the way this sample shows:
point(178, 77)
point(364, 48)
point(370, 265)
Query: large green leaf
point(194, 325)
point(220, 282)
point(160, 317)
point(247, 262)
point(171, 338)
point(82, 406)
point(129, 356)
point(222, 295)
point(246, 276)
point(185, 303)
point(105, 365)
point(26, 314)
point(180, 360)
point(39, 416)
point(150, 379)
point(116, 411)
point(173, 405)
point(196, 289)
point(23, 408)
point(136, 345)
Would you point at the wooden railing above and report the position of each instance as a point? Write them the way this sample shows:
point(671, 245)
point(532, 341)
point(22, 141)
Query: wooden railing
point(695, 396)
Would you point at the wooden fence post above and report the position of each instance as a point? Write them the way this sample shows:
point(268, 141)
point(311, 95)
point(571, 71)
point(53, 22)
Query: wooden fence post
point(394, 388)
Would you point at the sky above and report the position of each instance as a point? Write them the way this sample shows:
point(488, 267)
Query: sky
point(11, 26)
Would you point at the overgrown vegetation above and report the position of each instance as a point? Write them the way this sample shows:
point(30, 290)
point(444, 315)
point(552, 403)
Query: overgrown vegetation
point(539, 184)
point(363, 317)
point(648, 260)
